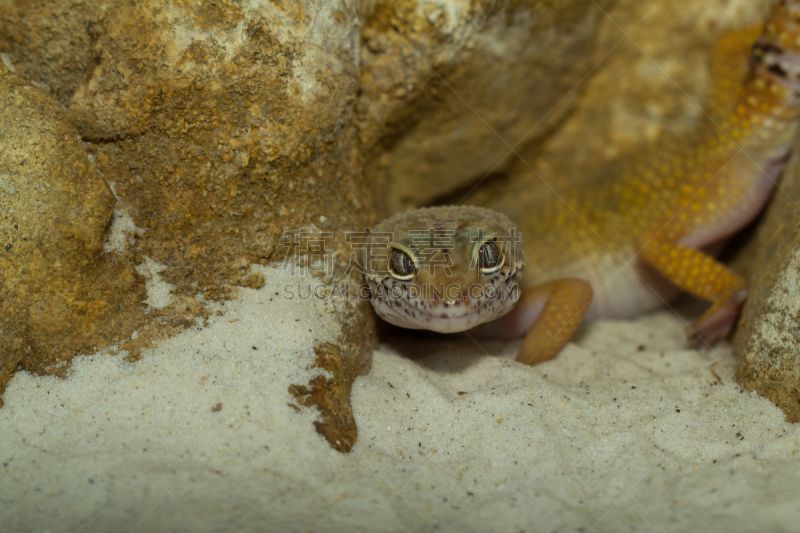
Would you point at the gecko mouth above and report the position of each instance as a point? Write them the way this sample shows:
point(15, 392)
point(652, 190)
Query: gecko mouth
point(451, 324)
point(393, 304)
point(421, 320)
point(413, 317)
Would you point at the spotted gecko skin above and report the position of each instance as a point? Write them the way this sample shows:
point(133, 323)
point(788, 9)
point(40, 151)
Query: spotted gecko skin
point(631, 241)
point(447, 291)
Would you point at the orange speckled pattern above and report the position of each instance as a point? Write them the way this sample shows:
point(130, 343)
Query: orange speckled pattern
point(566, 302)
point(626, 233)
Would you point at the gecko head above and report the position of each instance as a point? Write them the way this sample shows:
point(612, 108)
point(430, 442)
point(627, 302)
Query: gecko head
point(445, 269)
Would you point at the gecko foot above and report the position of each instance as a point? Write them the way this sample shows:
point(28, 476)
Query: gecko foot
point(716, 323)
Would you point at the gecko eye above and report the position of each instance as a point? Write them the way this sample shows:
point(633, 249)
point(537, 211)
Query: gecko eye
point(490, 258)
point(401, 265)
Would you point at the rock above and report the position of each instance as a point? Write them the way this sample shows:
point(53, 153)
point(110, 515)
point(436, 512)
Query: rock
point(331, 394)
point(456, 85)
point(219, 126)
point(766, 340)
point(61, 294)
point(482, 84)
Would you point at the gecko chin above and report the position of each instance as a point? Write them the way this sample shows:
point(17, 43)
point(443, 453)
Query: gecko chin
point(446, 317)
point(448, 324)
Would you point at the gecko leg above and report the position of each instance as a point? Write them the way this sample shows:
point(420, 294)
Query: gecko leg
point(703, 276)
point(563, 303)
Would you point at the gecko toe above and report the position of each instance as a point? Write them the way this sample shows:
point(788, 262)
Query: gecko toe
point(714, 325)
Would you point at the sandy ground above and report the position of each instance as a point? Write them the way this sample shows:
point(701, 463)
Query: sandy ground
point(625, 430)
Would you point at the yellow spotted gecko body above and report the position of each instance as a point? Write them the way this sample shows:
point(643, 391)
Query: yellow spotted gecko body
point(630, 241)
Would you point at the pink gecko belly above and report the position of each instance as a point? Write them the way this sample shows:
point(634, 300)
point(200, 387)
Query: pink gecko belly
point(745, 213)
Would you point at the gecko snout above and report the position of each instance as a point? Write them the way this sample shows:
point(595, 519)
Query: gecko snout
point(453, 297)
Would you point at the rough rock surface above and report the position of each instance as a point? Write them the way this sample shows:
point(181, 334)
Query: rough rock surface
point(456, 85)
point(218, 127)
point(767, 336)
point(60, 293)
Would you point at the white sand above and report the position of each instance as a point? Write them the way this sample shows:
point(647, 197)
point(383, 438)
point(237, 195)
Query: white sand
point(607, 437)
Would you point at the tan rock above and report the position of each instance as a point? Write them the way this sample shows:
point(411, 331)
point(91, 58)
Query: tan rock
point(766, 339)
point(219, 125)
point(457, 85)
point(482, 100)
point(60, 293)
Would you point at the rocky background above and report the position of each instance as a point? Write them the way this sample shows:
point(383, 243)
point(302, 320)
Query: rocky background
point(216, 126)
point(768, 332)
